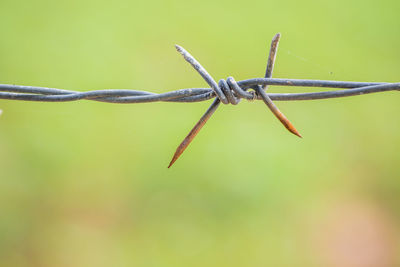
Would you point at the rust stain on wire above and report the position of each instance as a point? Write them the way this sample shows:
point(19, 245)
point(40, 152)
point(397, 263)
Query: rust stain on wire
point(192, 134)
point(226, 91)
point(261, 90)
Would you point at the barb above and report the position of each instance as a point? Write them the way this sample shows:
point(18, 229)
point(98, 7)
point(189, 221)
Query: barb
point(261, 89)
point(226, 91)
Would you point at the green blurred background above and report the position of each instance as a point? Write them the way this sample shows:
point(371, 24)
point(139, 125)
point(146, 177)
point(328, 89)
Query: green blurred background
point(87, 184)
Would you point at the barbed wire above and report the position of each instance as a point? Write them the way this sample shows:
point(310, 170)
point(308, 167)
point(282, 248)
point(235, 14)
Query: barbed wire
point(226, 91)
point(127, 96)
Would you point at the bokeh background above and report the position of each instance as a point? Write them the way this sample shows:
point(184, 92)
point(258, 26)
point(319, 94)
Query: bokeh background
point(86, 183)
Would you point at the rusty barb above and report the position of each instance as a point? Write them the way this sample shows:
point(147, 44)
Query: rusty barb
point(226, 91)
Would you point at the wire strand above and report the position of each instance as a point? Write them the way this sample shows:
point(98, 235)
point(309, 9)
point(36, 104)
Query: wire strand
point(44, 94)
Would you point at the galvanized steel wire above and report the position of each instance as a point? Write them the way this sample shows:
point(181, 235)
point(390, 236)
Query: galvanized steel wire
point(126, 96)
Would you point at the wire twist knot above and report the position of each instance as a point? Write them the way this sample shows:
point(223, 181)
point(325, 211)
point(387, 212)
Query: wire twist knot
point(231, 93)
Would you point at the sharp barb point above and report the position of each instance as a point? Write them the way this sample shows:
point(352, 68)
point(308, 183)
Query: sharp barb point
point(195, 130)
point(178, 48)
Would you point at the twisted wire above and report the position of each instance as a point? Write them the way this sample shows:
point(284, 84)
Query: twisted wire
point(229, 89)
